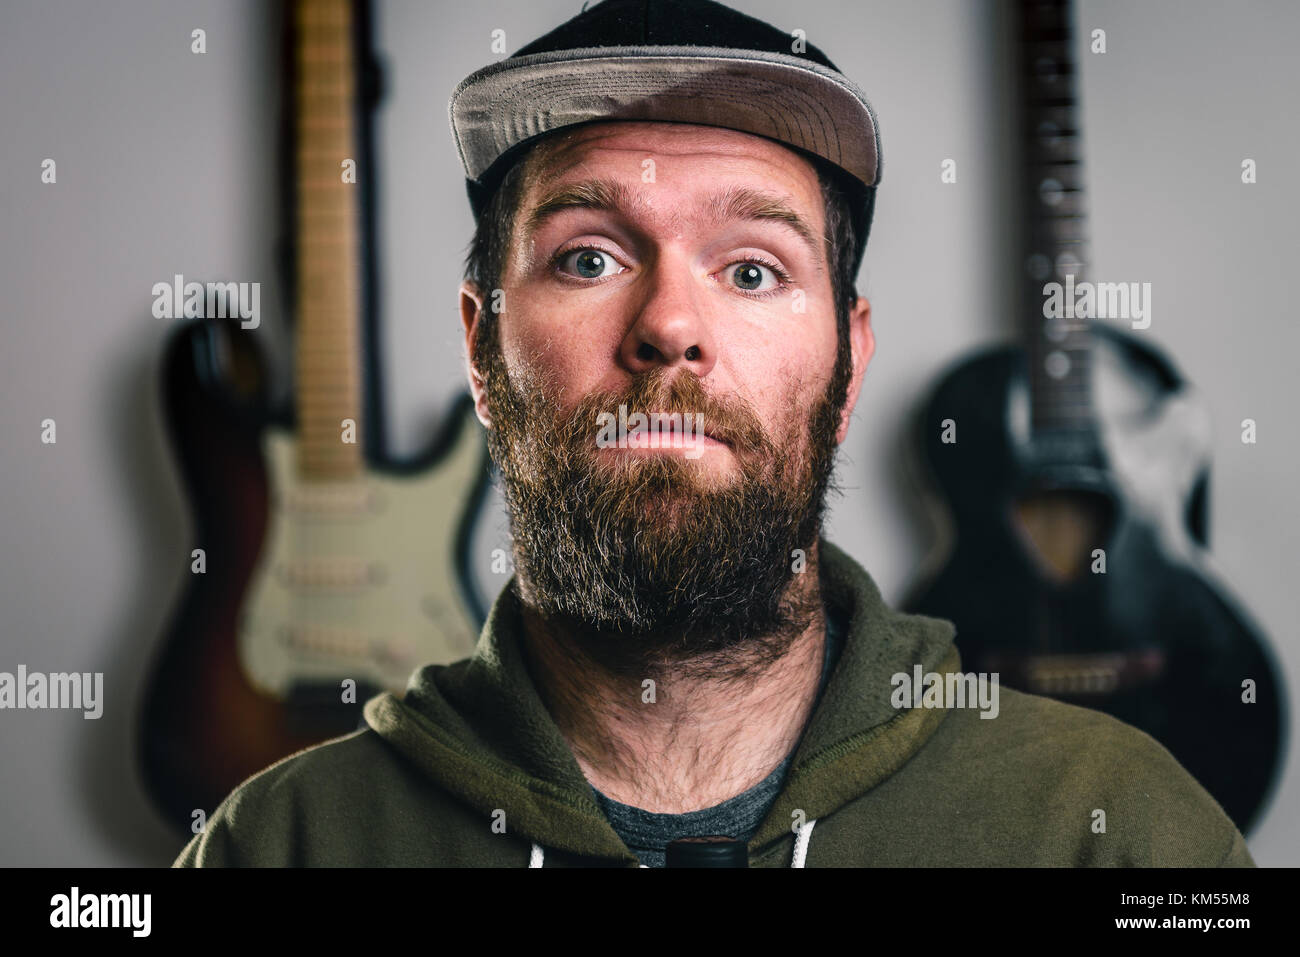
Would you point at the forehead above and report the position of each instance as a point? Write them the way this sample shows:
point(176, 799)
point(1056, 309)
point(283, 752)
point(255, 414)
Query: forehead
point(687, 158)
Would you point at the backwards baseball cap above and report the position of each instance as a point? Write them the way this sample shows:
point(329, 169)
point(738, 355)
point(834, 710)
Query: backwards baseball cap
point(674, 61)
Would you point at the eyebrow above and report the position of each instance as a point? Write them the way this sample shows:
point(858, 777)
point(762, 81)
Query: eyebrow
point(733, 203)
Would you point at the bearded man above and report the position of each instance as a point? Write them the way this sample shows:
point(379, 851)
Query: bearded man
point(671, 212)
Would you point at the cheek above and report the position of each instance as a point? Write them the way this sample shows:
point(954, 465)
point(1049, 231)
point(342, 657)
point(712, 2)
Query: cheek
point(542, 353)
point(796, 383)
point(818, 360)
point(782, 364)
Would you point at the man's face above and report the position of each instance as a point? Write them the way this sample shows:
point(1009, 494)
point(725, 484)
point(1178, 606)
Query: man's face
point(665, 268)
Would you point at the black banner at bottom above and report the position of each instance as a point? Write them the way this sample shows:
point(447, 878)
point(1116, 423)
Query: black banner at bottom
point(335, 906)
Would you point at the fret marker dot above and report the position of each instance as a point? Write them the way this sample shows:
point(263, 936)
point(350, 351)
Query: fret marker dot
point(1056, 329)
point(1050, 191)
point(1067, 264)
point(1057, 364)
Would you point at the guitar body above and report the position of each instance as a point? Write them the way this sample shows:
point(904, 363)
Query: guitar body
point(1150, 636)
point(323, 572)
point(303, 584)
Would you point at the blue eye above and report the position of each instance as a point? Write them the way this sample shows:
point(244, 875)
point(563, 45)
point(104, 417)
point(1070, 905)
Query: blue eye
point(588, 263)
point(749, 276)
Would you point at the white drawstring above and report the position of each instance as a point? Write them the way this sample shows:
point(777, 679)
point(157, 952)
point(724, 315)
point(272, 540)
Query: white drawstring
point(802, 837)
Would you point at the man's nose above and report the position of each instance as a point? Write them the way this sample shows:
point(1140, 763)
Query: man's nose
point(671, 326)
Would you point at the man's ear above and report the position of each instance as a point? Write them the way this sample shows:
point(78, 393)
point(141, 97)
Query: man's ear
point(862, 345)
point(471, 312)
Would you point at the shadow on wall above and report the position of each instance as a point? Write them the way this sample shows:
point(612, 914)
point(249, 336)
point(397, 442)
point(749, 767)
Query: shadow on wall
point(112, 787)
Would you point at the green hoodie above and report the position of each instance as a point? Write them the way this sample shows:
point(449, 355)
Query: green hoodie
point(468, 769)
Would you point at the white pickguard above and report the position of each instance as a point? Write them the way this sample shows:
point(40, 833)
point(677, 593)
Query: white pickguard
point(356, 578)
point(1157, 444)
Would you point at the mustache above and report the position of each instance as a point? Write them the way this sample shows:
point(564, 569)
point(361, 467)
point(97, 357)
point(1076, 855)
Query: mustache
point(734, 422)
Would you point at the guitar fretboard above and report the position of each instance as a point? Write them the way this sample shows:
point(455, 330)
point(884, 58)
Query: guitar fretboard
point(1055, 238)
point(327, 387)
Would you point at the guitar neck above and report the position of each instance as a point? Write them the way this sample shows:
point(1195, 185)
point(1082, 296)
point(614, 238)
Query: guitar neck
point(1055, 239)
point(327, 381)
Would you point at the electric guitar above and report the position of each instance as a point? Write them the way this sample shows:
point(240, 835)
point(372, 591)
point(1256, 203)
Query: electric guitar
point(326, 575)
point(1076, 466)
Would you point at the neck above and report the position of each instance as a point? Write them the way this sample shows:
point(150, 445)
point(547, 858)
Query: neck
point(693, 739)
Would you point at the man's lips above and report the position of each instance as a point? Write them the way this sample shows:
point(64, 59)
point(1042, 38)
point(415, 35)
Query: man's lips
point(670, 433)
point(667, 440)
point(704, 437)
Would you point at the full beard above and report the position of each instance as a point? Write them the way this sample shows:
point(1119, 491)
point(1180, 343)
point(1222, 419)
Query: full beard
point(643, 563)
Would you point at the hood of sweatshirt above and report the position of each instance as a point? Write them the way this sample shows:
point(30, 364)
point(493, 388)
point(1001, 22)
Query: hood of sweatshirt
point(479, 729)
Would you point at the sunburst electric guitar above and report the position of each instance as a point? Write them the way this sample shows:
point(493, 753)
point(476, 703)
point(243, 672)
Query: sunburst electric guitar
point(324, 575)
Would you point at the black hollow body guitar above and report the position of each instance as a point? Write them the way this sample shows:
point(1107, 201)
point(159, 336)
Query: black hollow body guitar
point(1076, 468)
